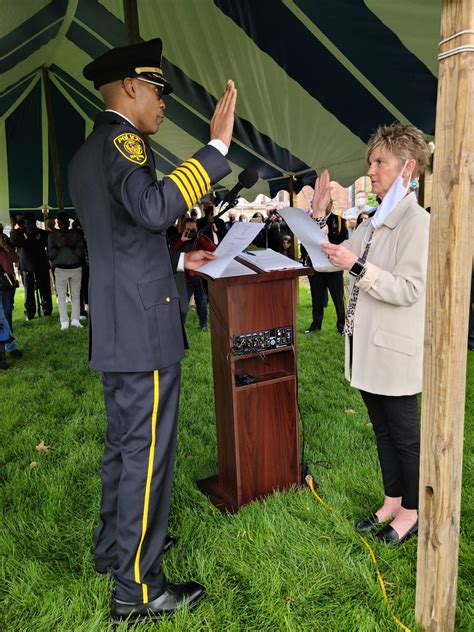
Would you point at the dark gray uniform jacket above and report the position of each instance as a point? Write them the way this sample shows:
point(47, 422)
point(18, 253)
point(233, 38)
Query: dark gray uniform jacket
point(134, 305)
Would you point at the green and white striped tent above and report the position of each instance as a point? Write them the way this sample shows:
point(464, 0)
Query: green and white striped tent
point(315, 78)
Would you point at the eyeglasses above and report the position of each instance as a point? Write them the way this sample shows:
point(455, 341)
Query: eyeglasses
point(158, 89)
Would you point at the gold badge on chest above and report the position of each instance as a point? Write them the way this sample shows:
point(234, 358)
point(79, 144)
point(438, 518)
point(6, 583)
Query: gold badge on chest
point(131, 147)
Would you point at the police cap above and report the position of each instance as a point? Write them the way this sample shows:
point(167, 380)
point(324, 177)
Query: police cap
point(138, 60)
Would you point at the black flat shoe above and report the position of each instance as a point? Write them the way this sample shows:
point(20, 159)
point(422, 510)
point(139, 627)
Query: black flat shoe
point(390, 536)
point(174, 596)
point(170, 541)
point(367, 524)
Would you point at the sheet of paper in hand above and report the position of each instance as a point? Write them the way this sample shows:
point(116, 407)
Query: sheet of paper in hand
point(310, 235)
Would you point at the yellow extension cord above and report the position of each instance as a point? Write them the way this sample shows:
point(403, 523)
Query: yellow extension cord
point(310, 482)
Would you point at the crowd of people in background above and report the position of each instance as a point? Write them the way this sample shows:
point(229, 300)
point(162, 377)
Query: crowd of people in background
point(55, 259)
point(47, 260)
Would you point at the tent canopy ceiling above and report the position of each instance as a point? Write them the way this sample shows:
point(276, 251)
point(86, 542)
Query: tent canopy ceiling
point(314, 80)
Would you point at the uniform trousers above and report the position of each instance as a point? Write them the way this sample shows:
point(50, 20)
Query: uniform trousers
point(137, 475)
point(320, 282)
point(397, 431)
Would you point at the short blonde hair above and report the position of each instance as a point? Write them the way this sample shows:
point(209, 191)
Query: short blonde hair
point(405, 142)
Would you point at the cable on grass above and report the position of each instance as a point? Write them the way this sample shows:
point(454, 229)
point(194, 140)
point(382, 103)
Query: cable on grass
point(310, 482)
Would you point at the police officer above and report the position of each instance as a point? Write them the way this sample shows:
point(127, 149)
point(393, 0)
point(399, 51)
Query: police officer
point(135, 324)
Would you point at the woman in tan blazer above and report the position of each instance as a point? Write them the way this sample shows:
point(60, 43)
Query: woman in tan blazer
point(387, 259)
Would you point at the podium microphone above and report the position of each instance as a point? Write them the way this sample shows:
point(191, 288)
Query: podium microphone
point(246, 179)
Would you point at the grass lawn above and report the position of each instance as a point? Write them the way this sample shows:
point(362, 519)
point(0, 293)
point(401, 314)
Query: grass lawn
point(286, 563)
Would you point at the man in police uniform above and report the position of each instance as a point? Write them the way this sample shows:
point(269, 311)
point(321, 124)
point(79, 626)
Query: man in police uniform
point(136, 331)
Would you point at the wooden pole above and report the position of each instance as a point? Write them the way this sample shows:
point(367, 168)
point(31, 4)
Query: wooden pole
point(449, 272)
point(53, 145)
point(293, 196)
point(130, 12)
point(426, 186)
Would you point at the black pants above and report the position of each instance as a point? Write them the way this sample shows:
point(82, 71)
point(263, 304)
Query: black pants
point(39, 280)
point(397, 431)
point(320, 282)
point(137, 474)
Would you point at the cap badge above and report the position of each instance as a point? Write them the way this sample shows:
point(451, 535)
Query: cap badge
point(131, 147)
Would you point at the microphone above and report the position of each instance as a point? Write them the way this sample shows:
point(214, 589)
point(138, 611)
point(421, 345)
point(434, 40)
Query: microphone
point(246, 179)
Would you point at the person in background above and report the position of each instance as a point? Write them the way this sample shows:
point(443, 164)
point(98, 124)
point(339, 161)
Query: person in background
point(84, 294)
point(213, 229)
point(276, 227)
point(189, 241)
point(322, 283)
point(387, 258)
point(232, 218)
point(8, 285)
point(286, 247)
point(260, 240)
point(66, 251)
point(32, 243)
point(243, 218)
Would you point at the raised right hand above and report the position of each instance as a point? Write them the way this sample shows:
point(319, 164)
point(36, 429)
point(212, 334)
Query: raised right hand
point(222, 122)
point(322, 195)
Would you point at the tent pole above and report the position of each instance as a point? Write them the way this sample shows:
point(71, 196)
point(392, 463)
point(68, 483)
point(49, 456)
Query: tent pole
point(130, 11)
point(426, 186)
point(447, 308)
point(53, 145)
point(293, 202)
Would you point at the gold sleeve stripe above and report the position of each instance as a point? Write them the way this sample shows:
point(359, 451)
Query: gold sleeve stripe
point(191, 180)
point(149, 476)
point(202, 171)
point(197, 188)
point(181, 188)
point(197, 175)
point(185, 182)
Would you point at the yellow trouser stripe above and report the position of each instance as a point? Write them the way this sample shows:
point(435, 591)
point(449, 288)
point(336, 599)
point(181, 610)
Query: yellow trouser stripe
point(146, 502)
point(191, 180)
point(202, 171)
point(202, 185)
point(182, 189)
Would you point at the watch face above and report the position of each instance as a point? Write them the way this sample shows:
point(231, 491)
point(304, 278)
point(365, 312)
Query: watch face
point(357, 268)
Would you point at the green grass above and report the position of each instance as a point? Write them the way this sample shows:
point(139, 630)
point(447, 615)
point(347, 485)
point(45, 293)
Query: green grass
point(283, 564)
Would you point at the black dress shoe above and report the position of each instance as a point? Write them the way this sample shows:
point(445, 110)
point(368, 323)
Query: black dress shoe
point(174, 596)
point(170, 541)
point(312, 330)
point(367, 524)
point(390, 536)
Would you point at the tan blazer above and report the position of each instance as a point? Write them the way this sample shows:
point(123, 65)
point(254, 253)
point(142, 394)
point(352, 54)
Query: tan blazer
point(390, 311)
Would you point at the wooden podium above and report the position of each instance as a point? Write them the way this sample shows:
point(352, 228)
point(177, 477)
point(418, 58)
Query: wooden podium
point(258, 423)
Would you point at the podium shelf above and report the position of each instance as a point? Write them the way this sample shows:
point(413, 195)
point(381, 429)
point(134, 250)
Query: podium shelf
point(278, 376)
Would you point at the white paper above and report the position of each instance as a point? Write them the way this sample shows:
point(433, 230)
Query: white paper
point(236, 269)
point(310, 235)
point(237, 239)
point(269, 260)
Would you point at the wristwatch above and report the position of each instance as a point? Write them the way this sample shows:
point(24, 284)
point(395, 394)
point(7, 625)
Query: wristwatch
point(358, 268)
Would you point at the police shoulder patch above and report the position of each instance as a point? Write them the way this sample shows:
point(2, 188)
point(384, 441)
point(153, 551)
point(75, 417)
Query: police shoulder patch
point(131, 147)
